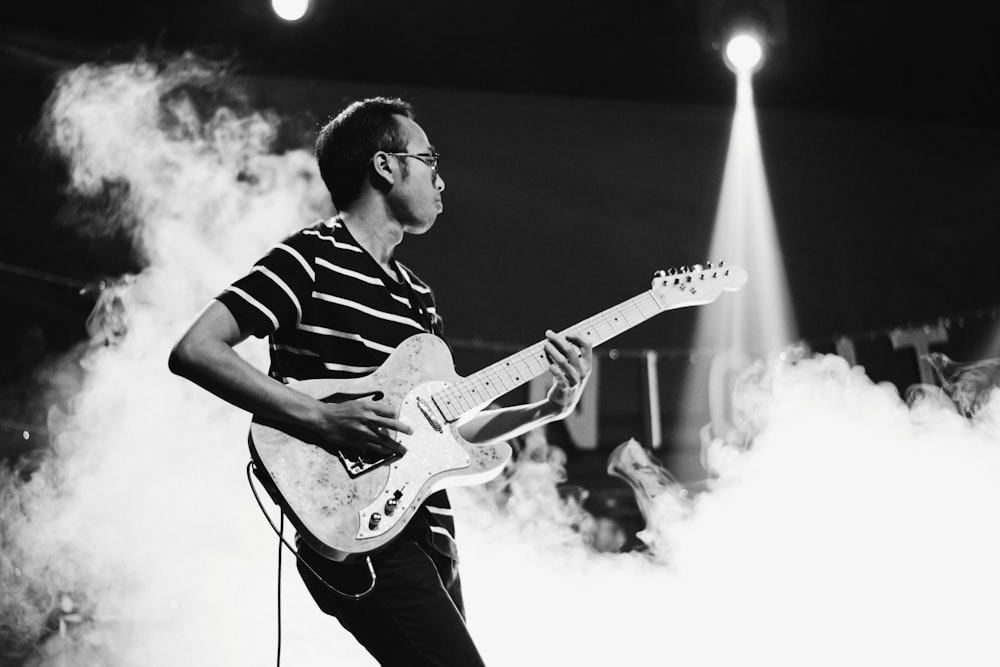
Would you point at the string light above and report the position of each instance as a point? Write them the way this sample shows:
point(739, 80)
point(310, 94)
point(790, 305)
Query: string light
point(991, 312)
point(617, 353)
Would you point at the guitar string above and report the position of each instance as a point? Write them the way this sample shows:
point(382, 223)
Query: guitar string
point(498, 372)
point(281, 534)
point(460, 392)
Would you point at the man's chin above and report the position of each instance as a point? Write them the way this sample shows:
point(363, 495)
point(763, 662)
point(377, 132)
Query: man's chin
point(421, 227)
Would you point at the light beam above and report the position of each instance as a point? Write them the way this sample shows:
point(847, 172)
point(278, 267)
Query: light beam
point(735, 331)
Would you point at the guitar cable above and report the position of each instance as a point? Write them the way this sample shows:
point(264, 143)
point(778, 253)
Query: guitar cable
point(283, 541)
point(281, 529)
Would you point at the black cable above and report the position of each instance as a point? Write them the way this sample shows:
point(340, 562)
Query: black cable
point(281, 538)
point(281, 534)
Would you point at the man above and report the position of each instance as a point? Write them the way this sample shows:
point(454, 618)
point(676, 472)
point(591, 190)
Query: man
point(334, 303)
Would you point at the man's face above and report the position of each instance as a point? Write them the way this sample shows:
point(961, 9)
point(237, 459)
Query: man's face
point(415, 198)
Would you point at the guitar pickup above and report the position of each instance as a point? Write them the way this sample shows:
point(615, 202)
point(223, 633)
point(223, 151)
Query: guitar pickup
point(425, 410)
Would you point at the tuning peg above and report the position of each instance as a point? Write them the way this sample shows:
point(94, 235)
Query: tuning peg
point(659, 275)
point(708, 266)
point(696, 267)
point(684, 269)
point(671, 271)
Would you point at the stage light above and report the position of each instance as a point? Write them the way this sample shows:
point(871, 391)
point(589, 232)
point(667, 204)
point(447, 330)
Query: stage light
point(744, 53)
point(290, 10)
point(739, 332)
point(743, 31)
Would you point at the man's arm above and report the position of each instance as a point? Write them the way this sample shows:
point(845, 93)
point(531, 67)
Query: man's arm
point(571, 358)
point(205, 355)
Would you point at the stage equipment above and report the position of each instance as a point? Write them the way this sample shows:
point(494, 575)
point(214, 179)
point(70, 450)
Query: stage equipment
point(920, 339)
point(290, 10)
point(743, 31)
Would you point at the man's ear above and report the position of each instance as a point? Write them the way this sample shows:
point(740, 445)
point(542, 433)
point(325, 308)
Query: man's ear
point(382, 168)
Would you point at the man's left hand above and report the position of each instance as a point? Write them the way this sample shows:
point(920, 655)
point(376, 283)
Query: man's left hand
point(571, 358)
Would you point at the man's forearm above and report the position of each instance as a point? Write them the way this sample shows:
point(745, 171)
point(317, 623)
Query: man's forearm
point(220, 370)
point(205, 355)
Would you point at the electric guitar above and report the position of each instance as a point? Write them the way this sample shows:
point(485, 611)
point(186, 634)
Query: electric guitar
point(347, 506)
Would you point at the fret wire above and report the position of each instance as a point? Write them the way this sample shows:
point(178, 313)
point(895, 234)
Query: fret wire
point(468, 401)
point(650, 302)
point(463, 399)
point(455, 402)
point(513, 371)
point(476, 392)
point(444, 400)
point(497, 376)
point(536, 363)
point(447, 404)
point(488, 386)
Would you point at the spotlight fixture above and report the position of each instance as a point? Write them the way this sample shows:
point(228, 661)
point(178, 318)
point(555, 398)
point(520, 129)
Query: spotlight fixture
point(744, 53)
point(743, 31)
point(290, 10)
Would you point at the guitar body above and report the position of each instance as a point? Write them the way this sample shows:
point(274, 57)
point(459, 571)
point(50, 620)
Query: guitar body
point(348, 508)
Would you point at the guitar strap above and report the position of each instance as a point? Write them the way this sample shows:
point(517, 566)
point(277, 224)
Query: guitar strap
point(423, 315)
point(443, 543)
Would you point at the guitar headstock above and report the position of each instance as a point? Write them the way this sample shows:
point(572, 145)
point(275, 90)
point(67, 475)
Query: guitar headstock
point(696, 285)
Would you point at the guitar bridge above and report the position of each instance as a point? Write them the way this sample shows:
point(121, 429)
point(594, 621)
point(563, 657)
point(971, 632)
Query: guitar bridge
point(358, 464)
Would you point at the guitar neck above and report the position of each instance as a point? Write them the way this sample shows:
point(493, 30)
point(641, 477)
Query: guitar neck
point(483, 387)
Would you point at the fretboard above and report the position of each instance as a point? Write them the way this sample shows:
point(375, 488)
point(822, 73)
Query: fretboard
point(483, 387)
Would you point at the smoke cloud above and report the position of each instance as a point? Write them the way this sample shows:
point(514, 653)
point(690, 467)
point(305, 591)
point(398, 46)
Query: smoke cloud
point(855, 530)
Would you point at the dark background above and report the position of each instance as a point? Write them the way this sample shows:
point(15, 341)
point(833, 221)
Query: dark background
point(584, 145)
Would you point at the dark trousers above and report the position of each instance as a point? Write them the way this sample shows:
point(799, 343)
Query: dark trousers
point(413, 618)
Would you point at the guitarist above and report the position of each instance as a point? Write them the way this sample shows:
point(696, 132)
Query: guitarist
point(334, 303)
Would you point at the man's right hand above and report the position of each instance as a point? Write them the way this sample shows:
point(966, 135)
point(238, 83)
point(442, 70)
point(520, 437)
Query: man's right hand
point(206, 356)
point(360, 425)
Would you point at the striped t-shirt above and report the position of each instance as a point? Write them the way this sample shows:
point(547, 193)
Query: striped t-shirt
point(330, 311)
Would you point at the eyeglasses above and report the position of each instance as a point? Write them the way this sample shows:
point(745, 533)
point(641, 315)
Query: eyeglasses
point(430, 159)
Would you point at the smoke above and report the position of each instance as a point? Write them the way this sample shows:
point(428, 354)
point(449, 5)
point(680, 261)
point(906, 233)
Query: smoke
point(854, 530)
point(135, 543)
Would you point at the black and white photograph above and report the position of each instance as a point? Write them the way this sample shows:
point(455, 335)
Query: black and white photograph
point(438, 334)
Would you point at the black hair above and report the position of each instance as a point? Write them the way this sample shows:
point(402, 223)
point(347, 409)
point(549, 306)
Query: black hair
point(346, 144)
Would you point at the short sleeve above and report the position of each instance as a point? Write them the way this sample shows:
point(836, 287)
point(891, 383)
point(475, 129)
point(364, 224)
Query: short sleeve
point(271, 295)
